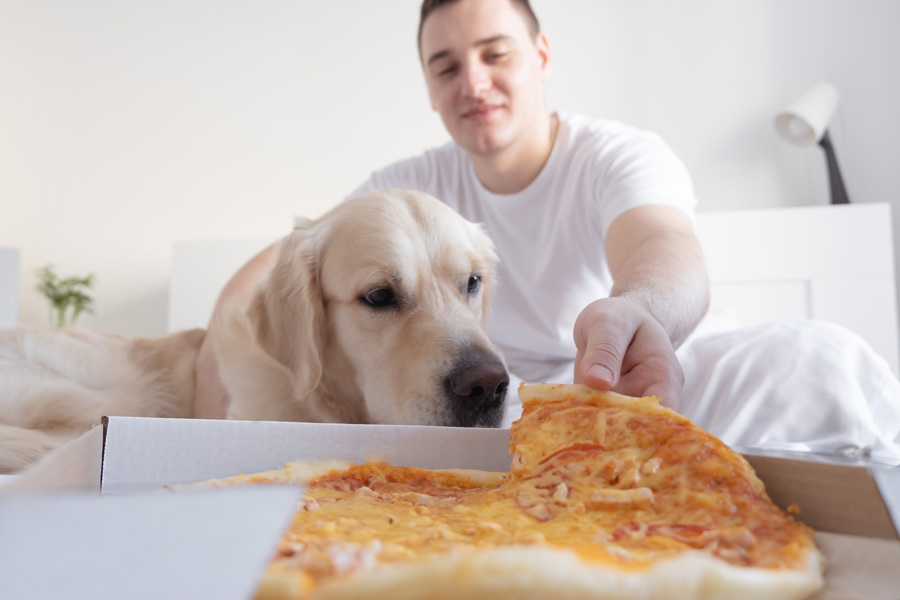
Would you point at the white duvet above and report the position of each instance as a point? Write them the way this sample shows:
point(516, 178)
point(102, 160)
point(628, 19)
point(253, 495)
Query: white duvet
point(798, 386)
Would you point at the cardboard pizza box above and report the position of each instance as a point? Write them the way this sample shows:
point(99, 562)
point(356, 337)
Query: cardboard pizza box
point(144, 454)
point(59, 538)
point(854, 507)
point(85, 546)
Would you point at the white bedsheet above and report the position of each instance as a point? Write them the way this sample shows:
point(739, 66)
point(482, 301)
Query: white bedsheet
point(799, 385)
point(796, 385)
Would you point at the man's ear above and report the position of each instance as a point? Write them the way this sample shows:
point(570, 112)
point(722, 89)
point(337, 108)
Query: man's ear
point(543, 48)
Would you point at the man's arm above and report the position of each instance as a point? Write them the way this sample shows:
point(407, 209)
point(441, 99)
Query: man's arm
point(626, 343)
point(211, 399)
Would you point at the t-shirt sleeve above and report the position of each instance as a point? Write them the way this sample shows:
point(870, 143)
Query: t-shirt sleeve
point(638, 168)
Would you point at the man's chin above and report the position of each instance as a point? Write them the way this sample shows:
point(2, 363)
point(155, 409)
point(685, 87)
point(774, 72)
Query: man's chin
point(483, 144)
point(480, 137)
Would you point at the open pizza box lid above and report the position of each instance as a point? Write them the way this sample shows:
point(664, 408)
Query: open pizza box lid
point(61, 538)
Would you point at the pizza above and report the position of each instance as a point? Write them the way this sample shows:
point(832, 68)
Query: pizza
point(607, 496)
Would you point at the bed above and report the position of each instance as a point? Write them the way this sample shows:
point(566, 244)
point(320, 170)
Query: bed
point(828, 263)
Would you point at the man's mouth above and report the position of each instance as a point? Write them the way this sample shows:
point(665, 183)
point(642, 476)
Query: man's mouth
point(481, 112)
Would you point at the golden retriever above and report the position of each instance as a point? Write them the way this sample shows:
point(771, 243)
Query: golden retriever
point(373, 313)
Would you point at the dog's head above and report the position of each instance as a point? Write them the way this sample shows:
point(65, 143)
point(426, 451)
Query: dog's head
point(375, 313)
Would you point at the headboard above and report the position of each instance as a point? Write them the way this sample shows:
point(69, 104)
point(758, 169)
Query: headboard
point(832, 263)
point(9, 287)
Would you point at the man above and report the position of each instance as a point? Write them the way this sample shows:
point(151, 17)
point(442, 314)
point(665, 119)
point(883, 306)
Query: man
point(485, 62)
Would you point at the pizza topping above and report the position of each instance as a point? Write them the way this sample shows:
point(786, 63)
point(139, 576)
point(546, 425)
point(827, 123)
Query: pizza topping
point(606, 498)
point(561, 493)
point(308, 503)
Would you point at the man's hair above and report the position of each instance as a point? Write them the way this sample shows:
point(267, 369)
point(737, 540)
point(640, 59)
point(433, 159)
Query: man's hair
point(429, 6)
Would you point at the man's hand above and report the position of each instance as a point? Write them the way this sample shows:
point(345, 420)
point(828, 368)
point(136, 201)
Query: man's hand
point(622, 348)
point(626, 343)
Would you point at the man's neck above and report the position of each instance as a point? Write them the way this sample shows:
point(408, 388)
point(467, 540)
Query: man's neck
point(514, 168)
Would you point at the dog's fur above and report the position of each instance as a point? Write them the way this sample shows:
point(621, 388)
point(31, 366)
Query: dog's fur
point(309, 346)
point(55, 384)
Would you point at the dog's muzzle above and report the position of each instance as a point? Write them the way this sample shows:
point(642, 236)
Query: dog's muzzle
point(476, 388)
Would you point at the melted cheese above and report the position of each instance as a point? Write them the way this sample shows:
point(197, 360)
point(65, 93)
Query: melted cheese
point(623, 482)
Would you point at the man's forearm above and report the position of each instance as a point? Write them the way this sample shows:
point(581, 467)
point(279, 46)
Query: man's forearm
point(666, 274)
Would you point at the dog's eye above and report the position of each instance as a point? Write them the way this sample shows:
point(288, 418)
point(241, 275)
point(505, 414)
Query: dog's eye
point(380, 298)
point(474, 283)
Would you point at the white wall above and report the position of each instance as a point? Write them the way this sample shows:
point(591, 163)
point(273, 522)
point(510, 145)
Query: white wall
point(125, 126)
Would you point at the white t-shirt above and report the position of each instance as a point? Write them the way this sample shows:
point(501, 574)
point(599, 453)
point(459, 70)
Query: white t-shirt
point(550, 236)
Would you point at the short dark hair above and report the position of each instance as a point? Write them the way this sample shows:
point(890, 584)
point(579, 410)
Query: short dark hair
point(429, 6)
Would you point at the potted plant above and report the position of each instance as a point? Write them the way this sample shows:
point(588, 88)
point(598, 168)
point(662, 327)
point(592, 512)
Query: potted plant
point(68, 296)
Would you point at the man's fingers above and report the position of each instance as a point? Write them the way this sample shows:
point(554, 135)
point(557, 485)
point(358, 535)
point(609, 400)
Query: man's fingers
point(601, 340)
point(668, 391)
point(601, 365)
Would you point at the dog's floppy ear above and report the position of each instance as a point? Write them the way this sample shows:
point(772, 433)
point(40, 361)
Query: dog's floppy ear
point(278, 338)
point(288, 311)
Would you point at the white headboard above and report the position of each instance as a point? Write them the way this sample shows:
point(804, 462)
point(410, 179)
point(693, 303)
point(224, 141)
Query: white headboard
point(200, 269)
point(832, 263)
point(9, 287)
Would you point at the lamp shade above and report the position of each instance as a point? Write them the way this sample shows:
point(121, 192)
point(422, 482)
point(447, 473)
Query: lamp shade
point(804, 121)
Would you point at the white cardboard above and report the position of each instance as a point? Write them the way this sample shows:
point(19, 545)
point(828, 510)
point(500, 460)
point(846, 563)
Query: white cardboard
point(143, 454)
point(187, 545)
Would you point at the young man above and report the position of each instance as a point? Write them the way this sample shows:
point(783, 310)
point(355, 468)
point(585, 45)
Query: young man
point(599, 262)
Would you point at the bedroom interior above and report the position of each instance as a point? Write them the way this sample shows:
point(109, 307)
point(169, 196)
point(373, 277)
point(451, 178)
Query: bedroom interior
point(159, 145)
point(139, 129)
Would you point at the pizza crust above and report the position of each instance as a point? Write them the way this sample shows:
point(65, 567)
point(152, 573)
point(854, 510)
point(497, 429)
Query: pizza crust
point(549, 393)
point(301, 472)
point(293, 473)
point(533, 572)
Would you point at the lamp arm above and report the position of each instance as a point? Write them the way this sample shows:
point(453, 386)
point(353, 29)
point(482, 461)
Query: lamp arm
point(835, 181)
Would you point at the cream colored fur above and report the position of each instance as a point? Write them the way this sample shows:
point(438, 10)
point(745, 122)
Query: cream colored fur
point(306, 347)
point(56, 384)
point(329, 357)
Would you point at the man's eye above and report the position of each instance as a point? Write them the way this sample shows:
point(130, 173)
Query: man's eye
point(474, 283)
point(447, 71)
point(380, 298)
point(496, 55)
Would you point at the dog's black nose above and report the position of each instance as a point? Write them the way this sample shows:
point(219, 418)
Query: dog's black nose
point(478, 389)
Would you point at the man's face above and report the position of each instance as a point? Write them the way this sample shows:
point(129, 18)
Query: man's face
point(484, 73)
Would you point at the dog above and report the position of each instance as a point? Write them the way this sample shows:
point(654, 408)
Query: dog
point(373, 313)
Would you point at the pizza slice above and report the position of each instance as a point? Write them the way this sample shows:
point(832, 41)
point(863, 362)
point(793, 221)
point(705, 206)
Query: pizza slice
point(607, 497)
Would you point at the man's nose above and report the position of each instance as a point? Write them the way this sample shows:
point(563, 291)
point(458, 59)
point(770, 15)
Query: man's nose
point(477, 80)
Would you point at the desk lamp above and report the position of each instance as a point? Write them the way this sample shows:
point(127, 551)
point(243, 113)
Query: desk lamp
point(805, 122)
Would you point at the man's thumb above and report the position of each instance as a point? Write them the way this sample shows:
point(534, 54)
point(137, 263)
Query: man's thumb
point(600, 367)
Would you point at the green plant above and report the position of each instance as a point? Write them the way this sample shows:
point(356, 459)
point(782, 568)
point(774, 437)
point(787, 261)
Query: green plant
point(68, 297)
